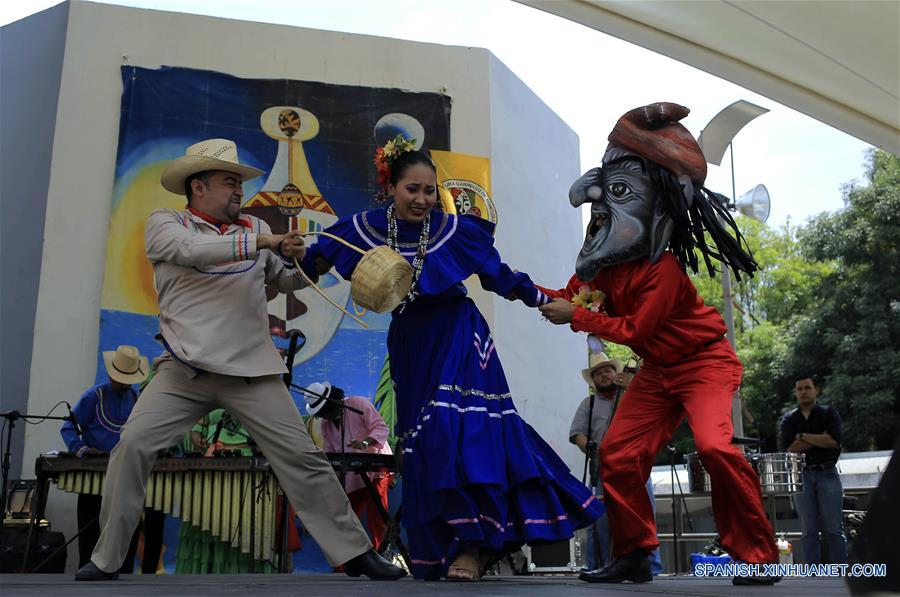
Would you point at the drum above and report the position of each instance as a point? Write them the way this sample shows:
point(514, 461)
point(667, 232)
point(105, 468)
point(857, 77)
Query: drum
point(698, 479)
point(780, 473)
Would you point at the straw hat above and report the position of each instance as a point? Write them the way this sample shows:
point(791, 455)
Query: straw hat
point(212, 154)
point(596, 361)
point(126, 365)
point(315, 403)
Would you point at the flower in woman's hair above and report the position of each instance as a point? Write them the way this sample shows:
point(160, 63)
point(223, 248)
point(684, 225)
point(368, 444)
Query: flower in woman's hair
point(385, 157)
point(382, 168)
point(397, 146)
point(592, 300)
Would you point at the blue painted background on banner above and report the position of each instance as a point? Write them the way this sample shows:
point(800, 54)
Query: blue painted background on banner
point(165, 110)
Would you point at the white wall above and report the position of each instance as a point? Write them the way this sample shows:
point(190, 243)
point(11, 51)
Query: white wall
point(101, 37)
point(84, 152)
point(29, 85)
point(534, 159)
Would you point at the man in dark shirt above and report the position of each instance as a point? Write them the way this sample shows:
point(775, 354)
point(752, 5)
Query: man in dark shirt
point(816, 431)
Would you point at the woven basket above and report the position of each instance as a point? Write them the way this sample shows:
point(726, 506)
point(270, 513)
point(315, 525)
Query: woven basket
point(381, 280)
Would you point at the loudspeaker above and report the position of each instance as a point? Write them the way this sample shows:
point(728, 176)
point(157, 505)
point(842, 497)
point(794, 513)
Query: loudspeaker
point(20, 502)
point(43, 543)
point(558, 556)
point(755, 203)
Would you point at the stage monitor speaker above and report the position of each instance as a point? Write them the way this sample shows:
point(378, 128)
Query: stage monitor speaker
point(558, 556)
point(43, 543)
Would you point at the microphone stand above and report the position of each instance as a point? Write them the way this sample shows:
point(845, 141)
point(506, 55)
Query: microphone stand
point(231, 429)
point(671, 449)
point(11, 417)
point(343, 453)
point(590, 451)
point(211, 448)
point(587, 451)
point(342, 405)
point(295, 336)
point(676, 479)
point(339, 403)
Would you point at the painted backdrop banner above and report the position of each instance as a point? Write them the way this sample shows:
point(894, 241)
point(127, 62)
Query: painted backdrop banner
point(315, 142)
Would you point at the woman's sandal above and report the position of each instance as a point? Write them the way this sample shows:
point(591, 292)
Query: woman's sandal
point(464, 568)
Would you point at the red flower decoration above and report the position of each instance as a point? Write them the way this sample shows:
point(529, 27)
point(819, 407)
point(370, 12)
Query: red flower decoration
point(383, 168)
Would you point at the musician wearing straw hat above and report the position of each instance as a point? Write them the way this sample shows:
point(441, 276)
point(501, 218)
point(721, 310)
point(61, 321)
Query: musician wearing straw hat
point(593, 414)
point(212, 266)
point(606, 379)
point(100, 414)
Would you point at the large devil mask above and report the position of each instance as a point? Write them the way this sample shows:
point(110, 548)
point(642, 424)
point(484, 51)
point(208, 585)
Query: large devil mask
point(631, 206)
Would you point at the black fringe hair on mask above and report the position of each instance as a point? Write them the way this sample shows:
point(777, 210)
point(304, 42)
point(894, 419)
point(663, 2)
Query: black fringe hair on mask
point(705, 214)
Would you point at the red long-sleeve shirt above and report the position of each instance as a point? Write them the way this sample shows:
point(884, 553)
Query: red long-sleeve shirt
point(652, 308)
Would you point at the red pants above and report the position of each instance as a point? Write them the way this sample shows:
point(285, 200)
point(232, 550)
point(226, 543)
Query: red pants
point(293, 543)
point(700, 386)
point(362, 501)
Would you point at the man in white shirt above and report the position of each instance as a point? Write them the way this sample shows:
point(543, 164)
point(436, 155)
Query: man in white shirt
point(211, 267)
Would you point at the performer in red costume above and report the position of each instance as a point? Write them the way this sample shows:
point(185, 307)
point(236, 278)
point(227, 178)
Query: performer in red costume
point(649, 214)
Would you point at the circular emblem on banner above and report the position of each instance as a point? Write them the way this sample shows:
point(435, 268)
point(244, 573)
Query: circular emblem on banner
point(471, 199)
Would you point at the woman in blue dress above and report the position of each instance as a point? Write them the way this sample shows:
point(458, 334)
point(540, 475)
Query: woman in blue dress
point(477, 479)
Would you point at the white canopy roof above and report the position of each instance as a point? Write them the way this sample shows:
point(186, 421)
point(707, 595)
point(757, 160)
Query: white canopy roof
point(837, 61)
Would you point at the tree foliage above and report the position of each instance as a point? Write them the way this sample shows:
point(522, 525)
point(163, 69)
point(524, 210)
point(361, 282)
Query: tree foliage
point(851, 337)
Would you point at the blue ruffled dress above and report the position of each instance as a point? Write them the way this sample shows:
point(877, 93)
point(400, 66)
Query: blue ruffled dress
point(473, 471)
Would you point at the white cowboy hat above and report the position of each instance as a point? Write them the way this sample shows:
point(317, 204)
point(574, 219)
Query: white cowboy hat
point(316, 403)
point(126, 365)
point(596, 361)
point(212, 154)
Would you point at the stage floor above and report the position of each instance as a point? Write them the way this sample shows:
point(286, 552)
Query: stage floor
point(245, 585)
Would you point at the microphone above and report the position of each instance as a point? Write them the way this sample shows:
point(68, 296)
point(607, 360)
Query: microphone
point(745, 441)
point(294, 336)
point(211, 448)
point(73, 420)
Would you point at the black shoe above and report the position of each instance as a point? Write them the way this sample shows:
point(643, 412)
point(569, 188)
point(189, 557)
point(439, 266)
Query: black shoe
point(755, 579)
point(374, 566)
point(634, 567)
point(90, 572)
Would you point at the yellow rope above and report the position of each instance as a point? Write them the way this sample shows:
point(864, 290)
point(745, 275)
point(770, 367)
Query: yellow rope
point(337, 238)
point(328, 298)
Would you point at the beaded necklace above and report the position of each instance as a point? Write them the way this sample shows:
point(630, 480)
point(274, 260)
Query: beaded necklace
point(418, 260)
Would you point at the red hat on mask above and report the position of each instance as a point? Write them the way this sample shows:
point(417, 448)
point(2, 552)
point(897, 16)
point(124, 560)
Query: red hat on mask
point(654, 133)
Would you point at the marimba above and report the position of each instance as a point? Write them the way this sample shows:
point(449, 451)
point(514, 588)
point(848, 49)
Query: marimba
point(234, 498)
